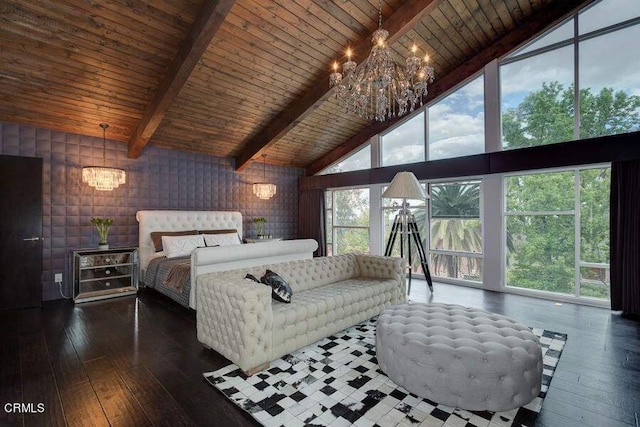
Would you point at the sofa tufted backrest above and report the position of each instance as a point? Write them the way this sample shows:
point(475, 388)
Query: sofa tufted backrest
point(311, 273)
point(303, 274)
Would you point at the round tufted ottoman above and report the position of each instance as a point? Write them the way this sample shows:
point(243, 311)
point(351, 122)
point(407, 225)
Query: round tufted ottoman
point(459, 356)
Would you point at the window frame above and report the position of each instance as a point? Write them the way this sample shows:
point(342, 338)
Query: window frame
point(575, 212)
point(335, 227)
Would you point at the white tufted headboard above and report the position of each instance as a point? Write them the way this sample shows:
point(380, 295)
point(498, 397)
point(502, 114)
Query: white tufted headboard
point(180, 221)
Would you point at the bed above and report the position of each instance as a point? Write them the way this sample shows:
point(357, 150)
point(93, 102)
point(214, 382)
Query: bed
point(157, 271)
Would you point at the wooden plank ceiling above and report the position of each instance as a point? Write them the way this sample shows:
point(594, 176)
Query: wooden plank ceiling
point(231, 78)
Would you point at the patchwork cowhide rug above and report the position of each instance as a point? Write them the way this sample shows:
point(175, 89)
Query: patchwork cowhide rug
point(337, 382)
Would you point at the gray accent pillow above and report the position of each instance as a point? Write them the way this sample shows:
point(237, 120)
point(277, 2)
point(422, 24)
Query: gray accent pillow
point(280, 289)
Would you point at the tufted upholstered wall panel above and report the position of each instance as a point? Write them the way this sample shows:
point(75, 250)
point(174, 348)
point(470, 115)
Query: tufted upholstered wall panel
point(158, 179)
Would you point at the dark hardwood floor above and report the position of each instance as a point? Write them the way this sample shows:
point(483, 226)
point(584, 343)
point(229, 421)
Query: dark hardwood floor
point(136, 361)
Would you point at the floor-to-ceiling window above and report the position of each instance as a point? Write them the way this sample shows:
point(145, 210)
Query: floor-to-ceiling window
point(557, 231)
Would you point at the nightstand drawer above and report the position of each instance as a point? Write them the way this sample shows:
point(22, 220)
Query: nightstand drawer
point(105, 273)
point(107, 259)
point(105, 284)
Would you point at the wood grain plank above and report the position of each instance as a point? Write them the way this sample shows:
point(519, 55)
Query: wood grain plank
point(456, 44)
point(10, 377)
point(82, 406)
point(196, 397)
point(38, 383)
point(41, 48)
point(465, 26)
point(295, 27)
point(315, 15)
point(475, 12)
point(115, 27)
point(117, 401)
point(492, 16)
point(96, 29)
point(503, 13)
point(514, 10)
point(66, 364)
point(261, 57)
point(199, 37)
point(160, 407)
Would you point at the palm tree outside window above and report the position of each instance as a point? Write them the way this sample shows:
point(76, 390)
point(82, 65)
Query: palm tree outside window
point(456, 230)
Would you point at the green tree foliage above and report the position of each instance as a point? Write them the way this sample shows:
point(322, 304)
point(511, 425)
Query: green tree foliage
point(594, 230)
point(455, 226)
point(608, 113)
point(543, 117)
point(457, 200)
point(351, 208)
point(546, 115)
point(594, 214)
point(543, 250)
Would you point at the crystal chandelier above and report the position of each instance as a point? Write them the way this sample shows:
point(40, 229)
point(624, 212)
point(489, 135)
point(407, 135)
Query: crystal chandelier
point(264, 190)
point(381, 88)
point(101, 177)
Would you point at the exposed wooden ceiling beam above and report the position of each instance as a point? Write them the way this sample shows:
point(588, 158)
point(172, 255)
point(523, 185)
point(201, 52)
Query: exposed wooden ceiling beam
point(193, 47)
point(401, 21)
point(542, 20)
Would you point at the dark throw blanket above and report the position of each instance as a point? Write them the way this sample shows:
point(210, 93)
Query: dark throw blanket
point(179, 274)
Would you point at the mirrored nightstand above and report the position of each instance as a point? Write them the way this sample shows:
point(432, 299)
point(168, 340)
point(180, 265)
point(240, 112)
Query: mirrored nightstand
point(101, 274)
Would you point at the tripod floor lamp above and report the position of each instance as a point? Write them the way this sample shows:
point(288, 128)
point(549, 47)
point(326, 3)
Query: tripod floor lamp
point(405, 186)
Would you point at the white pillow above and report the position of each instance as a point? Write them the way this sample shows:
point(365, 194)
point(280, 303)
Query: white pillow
point(225, 239)
point(179, 246)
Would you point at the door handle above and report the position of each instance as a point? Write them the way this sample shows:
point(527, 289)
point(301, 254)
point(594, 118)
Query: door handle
point(31, 239)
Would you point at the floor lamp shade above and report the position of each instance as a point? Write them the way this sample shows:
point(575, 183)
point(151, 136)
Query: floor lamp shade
point(405, 185)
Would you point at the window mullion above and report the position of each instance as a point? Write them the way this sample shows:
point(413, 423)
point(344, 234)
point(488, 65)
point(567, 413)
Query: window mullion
point(576, 225)
point(576, 81)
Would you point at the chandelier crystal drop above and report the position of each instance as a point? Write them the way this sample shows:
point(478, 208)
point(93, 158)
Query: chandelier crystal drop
point(381, 88)
point(101, 177)
point(264, 190)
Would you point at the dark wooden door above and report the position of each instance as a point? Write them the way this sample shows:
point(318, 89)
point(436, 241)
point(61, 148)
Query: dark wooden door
point(20, 232)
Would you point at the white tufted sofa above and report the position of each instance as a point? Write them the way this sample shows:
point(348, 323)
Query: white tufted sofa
point(459, 356)
point(239, 319)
